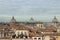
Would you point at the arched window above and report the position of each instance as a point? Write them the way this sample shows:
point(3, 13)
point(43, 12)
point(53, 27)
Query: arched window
point(13, 36)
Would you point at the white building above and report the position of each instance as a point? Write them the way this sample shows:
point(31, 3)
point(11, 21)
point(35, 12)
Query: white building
point(24, 32)
point(37, 38)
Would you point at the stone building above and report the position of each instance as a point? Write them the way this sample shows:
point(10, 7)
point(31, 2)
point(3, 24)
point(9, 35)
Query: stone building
point(30, 28)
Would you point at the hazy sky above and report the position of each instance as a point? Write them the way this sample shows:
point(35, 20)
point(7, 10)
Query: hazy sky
point(38, 9)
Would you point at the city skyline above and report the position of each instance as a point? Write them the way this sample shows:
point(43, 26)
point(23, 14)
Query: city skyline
point(25, 9)
point(21, 19)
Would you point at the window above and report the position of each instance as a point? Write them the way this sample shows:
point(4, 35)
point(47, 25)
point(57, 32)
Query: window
point(39, 38)
point(35, 38)
point(41, 26)
point(25, 33)
point(21, 32)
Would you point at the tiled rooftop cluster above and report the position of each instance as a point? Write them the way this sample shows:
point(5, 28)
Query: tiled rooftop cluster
point(30, 29)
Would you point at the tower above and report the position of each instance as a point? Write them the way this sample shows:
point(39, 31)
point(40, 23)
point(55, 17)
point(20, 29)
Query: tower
point(6, 30)
point(12, 22)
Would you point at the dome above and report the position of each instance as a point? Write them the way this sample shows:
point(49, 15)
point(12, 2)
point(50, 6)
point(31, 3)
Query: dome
point(55, 20)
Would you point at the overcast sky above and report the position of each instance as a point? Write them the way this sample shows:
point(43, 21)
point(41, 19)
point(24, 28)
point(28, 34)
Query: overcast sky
point(38, 9)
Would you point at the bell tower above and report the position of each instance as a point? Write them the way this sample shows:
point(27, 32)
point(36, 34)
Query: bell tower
point(12, 22)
